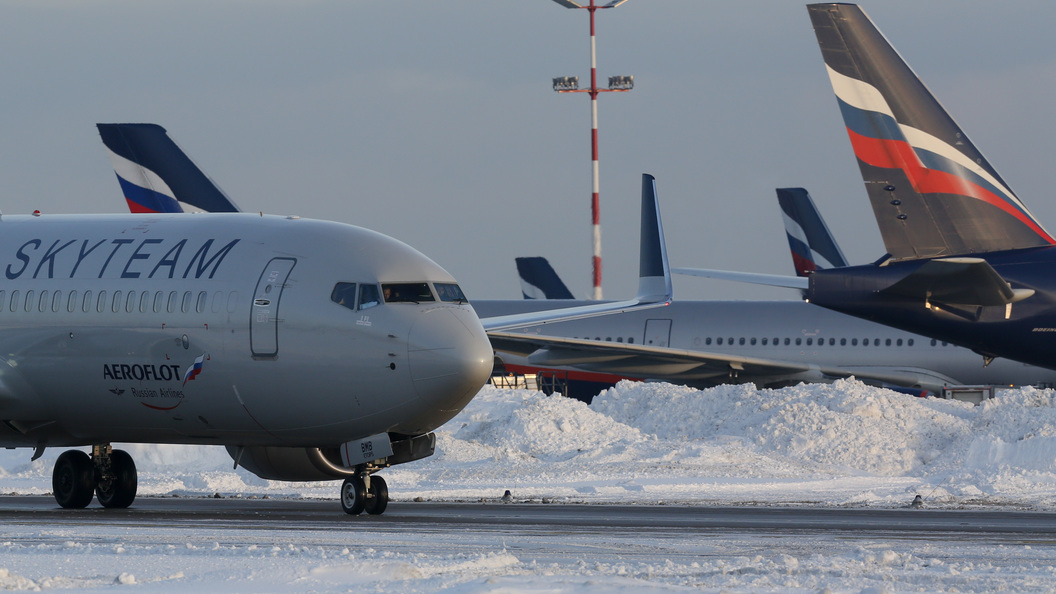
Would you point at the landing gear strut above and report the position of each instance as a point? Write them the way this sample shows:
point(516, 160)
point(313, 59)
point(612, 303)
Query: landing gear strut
point(363, 492)
point(108, 474)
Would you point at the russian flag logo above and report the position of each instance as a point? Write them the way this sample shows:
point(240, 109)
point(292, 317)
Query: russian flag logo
point(194, 370)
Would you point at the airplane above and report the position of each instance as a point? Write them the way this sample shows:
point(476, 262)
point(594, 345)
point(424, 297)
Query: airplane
point(809, 238)
point(704, 343)
point(272, 336)
point(967, 262)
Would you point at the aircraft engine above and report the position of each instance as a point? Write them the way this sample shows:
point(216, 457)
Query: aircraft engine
point(322, 464)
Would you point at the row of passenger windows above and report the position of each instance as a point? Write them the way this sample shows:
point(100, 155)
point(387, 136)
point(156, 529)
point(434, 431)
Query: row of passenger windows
point(345, 294)
point(809, 341)
point(127, 301)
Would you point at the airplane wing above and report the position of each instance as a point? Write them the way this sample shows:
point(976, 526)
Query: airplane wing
point(654, 276)
point(668, 364)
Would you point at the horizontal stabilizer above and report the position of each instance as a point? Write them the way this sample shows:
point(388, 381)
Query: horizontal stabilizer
point(958, 281)
point(770, 280)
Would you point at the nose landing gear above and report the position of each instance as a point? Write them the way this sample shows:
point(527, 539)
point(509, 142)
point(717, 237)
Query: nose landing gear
point(363, 492)
point(108, 474)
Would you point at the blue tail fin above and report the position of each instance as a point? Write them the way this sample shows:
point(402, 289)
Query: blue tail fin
point(539, 280)
point(155, 175)
point(812, 244)
point(933, 193)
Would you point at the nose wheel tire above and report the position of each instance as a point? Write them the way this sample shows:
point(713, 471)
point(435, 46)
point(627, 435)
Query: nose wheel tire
point(353, 495)
point(119, 489)
point(356, 497)
point(73, 480)
point(378, 497)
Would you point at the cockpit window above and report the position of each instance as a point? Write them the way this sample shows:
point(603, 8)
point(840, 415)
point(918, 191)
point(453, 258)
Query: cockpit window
point(344, 294)
point(450, 292)
point(407, 292)
point(368, 296)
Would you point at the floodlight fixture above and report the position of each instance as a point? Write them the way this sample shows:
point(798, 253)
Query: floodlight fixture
point(566, 83)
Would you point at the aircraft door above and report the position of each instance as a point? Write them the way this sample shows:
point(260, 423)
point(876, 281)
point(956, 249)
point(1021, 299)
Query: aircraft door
point(657, 333)
point(264, 323)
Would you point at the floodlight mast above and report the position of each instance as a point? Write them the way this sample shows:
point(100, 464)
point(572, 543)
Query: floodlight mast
point(617, 84)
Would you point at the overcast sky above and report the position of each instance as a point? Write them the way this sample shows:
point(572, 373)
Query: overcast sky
point(435, 122)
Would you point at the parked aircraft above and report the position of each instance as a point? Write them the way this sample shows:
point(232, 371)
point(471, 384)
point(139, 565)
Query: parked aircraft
point(539, 280)
point(967, 263)
point(769, 343)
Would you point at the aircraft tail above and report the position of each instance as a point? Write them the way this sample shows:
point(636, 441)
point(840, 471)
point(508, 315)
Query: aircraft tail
point(812, 244)
point(539, 280)
point(933, 193)
point(155, 175)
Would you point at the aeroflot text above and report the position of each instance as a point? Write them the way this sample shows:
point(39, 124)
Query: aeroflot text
point(120, 371)
point(133, 258)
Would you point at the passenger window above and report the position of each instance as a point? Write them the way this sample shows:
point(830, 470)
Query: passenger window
point(786, 341)
point(887, 342)
point(116, 305)
point(407, 293)
point(720, 341)
point(799, 341)
point(200, 305)
point(86, 305)
point(619, 339)
point(854, 342)
point(173, 299)
point(910, 342)
point(707, 340)
point(56, 300)
point(159, 300)
point(843, 342)
point(764, 340)
point(130, 302)
point(71, 303)
point(344, 294)
point(14, 301)
point(898, 342)
point(450, 292)
point(185, 305)
point(934, 342)
point(368, 296)
point(43, 303)
point(144, 301)
point(810, 341)
point(100, 303)
point(753, 341)
point(30, 301)
point(876, 342)
point(630, 340)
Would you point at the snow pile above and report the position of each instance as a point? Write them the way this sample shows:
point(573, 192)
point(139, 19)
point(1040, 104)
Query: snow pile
point(838, 444)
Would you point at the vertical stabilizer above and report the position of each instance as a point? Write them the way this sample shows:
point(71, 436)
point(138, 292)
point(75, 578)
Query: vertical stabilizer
point(933, 193)
point(155, 175)
point(812, 244)
point(539, 280)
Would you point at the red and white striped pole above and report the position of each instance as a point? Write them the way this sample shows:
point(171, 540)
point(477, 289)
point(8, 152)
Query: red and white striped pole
point(570, 85)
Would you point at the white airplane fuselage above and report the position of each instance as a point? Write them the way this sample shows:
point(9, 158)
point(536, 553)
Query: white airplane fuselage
point(103, 319)
point(831, 344)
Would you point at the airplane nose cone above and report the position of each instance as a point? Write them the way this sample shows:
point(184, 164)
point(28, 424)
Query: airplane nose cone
point(449, 357)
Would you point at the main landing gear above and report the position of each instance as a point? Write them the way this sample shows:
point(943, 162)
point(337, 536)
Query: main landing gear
point(108, 474)
point(364, 493)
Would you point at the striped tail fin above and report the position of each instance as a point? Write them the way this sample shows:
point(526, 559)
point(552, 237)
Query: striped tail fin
point(812, 244)
point(155, 175)
point(933, 193)
point(539, 280)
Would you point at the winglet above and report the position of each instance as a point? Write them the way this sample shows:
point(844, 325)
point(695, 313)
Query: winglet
point(654, 272)
point(155, 175)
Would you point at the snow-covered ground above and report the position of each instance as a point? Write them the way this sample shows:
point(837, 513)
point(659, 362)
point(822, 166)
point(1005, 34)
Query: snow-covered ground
point(844, 444)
